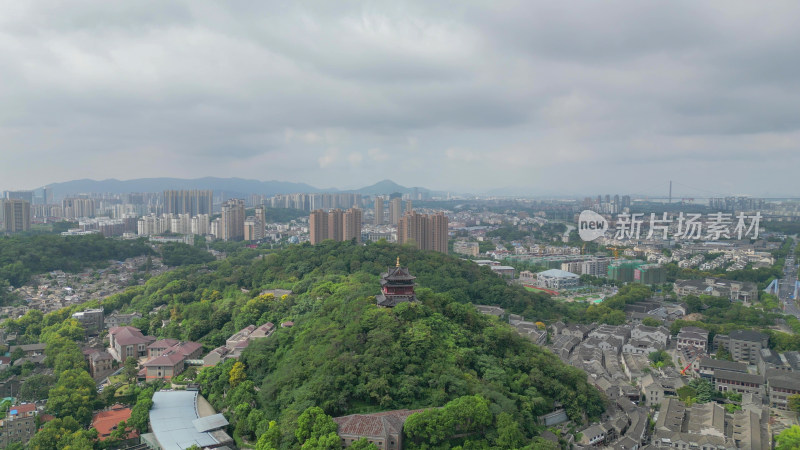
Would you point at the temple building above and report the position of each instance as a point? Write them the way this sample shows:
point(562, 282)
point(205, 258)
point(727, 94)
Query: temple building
point(397, 286)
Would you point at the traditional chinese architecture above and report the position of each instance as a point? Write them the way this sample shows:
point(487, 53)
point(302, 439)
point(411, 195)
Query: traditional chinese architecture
point(397, 286)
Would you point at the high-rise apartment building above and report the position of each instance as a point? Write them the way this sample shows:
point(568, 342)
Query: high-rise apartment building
point(409, 207)
point(192, 202)
point(255, 226)
point(318, 226)
point(379, 210)
point(77, 207)
point(395, 210)
point(261, 222)
point(200, 224)
point(232, 223)
point(16, 215)
point(352, 224)
point(19, 195)
point(426, 232)
point(337, 225)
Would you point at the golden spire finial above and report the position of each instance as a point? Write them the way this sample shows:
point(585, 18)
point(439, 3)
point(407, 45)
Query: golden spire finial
point(398, 262)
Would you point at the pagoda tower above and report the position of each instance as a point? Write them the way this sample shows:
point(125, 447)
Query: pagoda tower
point(397, 286)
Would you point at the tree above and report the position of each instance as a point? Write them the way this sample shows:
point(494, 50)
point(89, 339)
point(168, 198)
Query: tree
point(17, 354)
point(140, 414)
point(36, 387)
point(237, 374)
point(693, 304)
point(686, 392)
point(73, 395)
point(660, 359)
point(651, 322)
point(363, 444)
point(270, 439)
point(131, 368)
point(704, 388)
point(789, 439)
point(121, 432)
point(330, 441)
point(794, 403)
point(314, 423)
point(724, 354)
point(61, 434)
point(509, 434)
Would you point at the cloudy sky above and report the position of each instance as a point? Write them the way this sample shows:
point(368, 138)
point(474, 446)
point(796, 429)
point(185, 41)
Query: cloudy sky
point(542, 97)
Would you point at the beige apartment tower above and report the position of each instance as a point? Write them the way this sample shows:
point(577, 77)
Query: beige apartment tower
point(318, 226)
point(395, 210)
point(232, 223)
point(16, 215)
point(337, 225)
point(352, 224)
point(192, 202)
point(378, 210)
point(426, 232)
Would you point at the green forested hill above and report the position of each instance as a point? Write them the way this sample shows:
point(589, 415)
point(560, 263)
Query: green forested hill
point(344, 354)
point(347, 356)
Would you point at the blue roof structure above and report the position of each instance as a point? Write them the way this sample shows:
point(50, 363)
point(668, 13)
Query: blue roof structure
point(558, 273)
point(172, 419)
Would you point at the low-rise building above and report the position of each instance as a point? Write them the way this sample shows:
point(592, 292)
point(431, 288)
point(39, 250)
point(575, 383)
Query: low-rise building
point(29, 349)
point(165, 367)
point(705, 367)
point(768, 359)
point(717, 287)
point(383, 429)
point(557, 279)
point(239, 341)
point(657, 388)
point(743, 345)
point(707, 426)
point(101, 363)
point(491, 310)
point(91, 320)
point(466, 248)
point(641, 347)
point(118, 320)
point(782, 385)
point(19, 425)
point(170, 360)
point(728, 381)
point(692, 337)
point(107, 421)
point(653, 334)
point(128, 342)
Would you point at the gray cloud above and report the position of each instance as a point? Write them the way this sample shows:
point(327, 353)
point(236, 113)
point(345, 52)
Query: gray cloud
point(548, 96)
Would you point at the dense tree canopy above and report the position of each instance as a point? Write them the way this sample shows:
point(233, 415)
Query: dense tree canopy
point(24, 255)
point(344, 355)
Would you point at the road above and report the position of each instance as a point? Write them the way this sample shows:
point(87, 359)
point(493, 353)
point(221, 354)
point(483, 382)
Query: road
point(787, 283)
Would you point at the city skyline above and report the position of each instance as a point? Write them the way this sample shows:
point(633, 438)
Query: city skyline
point(523, 97)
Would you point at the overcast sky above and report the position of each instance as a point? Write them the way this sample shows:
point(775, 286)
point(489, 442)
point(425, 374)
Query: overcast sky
point(546, 97)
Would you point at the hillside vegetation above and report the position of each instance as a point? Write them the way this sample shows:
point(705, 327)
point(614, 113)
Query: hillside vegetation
point(345, 355)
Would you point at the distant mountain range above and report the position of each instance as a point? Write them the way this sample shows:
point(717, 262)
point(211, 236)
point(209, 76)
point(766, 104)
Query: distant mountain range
point(387, 187)
point(230, 186)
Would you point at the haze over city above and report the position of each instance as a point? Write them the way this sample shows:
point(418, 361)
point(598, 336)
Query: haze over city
point(519, 97)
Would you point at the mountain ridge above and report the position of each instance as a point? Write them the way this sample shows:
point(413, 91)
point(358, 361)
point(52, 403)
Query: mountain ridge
point(231, 185)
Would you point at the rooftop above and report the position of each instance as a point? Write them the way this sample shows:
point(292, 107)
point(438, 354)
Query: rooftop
point(172, 419)
point(378, 424)
point(556, 273)
point(722, 364)
point(106, 421)
point(747, 335)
